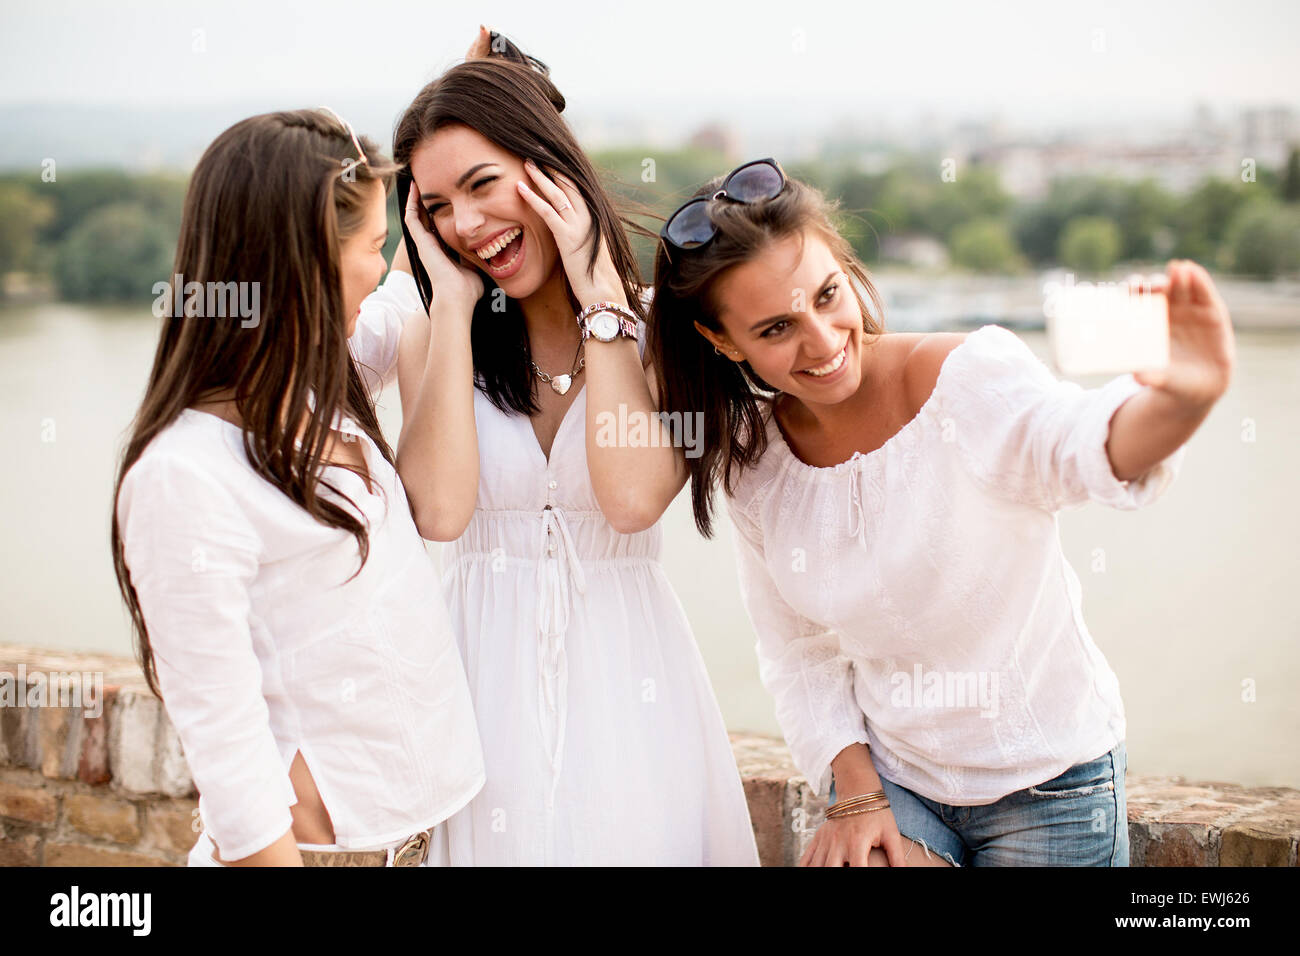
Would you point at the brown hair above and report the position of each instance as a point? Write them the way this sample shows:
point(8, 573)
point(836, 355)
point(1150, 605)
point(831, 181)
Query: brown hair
point(508, 99)
point(691, 376)
point(270, 202)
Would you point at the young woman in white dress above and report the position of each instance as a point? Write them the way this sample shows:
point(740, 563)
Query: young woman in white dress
point(602, 738)
point(894, 498)
point(285, 609)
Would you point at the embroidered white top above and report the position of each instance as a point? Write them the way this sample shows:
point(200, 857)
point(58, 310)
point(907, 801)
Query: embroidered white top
point(922, 586)
point(263, 649)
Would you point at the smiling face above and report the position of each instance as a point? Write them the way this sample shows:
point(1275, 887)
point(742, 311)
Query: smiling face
point(467, 187)
point(361, 255)
point(791, 313)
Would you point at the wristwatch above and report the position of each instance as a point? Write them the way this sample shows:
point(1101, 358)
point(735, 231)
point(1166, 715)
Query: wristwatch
point(606, 321)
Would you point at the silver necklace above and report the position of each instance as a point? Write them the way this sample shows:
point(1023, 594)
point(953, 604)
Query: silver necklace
point(561, 383)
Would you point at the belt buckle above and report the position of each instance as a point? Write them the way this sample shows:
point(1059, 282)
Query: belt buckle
point(414, 851)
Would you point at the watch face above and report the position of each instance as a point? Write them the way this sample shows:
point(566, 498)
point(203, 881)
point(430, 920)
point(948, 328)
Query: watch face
point(604, 326)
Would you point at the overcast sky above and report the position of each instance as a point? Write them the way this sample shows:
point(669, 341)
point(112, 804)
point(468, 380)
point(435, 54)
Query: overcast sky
point(1030, 58)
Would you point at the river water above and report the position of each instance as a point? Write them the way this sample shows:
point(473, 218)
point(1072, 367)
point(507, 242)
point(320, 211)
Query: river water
point(1190, 600)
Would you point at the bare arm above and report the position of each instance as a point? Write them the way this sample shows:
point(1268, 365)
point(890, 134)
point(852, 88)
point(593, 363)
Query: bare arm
point(633, 483)
point(1151, 425)
point(437, 452)
point(283, 852)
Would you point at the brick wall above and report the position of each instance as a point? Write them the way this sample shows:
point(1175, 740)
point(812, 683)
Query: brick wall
point(106, 786)
point(1170, 822)
point(112, 789)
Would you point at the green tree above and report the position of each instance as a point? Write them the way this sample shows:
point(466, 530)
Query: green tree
point(1090, 244)
point(1142, 208)
point(652, 181)
point(78, 194)
point(985, 245)
point(975, 194)
point(1291, 180)
point(1201, 221)
point(116, 254)
point(1138, 209)
point(1264, 240)
point(22, 217)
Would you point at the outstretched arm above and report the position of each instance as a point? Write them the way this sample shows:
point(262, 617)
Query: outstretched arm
point(1152, 424)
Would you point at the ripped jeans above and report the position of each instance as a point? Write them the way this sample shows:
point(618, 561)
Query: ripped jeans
point(1077, 819)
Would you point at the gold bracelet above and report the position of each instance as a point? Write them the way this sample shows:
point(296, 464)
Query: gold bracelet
point(861, 798)
point(854, 809)
point(849, 813)
point(856, 802)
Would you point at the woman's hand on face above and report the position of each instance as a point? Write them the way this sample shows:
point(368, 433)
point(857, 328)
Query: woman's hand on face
point(1202, 353)
point(455, 286)
point(560, 205)
point(847, 841)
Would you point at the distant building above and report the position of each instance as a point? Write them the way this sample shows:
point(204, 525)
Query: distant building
point(716, 137)
point(920, 252)
point(1178, 161)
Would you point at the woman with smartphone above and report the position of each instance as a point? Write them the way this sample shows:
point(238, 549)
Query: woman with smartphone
point(284, 606)
point(894, 497)
point(602, 738)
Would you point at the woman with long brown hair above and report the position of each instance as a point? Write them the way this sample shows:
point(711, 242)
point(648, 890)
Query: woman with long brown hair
point(284, 607)
point(894, 497)
point(602, 738)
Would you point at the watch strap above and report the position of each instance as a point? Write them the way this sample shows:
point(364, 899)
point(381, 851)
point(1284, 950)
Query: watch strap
point(627, 320)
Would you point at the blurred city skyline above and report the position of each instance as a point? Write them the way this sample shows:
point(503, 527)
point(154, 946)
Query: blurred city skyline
point(1172, 90)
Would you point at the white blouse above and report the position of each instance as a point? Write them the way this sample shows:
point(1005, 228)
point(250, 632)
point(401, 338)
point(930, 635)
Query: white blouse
point(263, 649)
point(916, 598)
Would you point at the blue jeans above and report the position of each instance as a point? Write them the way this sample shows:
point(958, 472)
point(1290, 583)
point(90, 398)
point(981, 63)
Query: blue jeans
point(1077, 819)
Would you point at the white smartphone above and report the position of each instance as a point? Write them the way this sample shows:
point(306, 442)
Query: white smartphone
point(1106, 328)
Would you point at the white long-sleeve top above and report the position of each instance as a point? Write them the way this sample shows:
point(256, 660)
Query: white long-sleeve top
point(263, 650)
point(916, 598)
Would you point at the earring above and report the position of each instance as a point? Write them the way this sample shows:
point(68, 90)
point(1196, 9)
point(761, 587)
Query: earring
point(716, 350)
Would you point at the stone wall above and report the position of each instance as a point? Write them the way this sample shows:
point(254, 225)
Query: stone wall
point(103, 782)
point(1170, 822)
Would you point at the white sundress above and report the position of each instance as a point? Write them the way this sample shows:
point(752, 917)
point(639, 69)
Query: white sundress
point(602, 739)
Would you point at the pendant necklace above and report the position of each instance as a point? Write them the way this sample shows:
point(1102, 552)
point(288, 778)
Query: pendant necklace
point(561, 383)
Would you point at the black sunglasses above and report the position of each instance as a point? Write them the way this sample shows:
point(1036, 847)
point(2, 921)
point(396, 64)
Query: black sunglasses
point(690, 226)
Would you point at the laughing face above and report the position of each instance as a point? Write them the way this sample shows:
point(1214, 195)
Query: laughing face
point(467, 188)
point(791, 313)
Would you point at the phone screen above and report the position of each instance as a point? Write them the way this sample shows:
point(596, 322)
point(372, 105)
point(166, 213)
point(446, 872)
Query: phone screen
point(1107, 328)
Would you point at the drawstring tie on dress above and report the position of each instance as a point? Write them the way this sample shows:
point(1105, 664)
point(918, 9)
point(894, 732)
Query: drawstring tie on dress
point(559, 571)
point(857, 516)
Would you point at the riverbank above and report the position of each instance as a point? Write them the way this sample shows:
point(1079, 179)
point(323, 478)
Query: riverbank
point(922, 301)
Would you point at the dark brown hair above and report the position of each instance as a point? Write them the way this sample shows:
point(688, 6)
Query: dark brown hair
point(509, 99)
point(270, 202)
point(692, 376)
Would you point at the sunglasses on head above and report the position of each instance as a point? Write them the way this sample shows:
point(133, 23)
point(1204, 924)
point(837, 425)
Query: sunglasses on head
point(690, 226)
point(361, 153)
